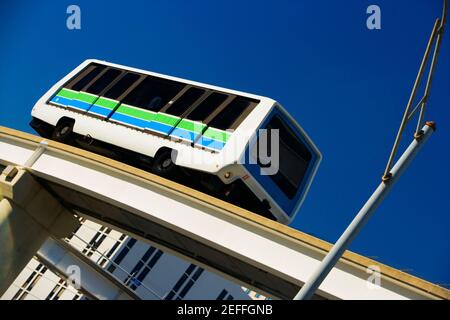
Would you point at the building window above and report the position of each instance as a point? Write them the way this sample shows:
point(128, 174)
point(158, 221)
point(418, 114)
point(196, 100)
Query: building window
point(112, 250)
point(224, 295)
point(58, 290)
point(96, 241)
point(118, 259)
point(185, 283)
point(31, 281)
point(143, 267)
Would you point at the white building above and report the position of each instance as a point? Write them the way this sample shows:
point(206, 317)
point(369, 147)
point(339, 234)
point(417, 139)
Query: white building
point(146, 270)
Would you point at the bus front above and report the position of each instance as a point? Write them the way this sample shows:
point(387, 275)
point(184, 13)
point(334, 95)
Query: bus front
point(283, 163)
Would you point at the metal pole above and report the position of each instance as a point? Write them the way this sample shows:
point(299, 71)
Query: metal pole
point(438, 31)
point(386, 175)
point(363, 215)
point(432, 67)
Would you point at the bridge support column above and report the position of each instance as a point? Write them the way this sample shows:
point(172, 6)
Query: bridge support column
point(29, 214)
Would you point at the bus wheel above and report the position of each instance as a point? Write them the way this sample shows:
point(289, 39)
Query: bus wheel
point(162, 163)
point(63, 131)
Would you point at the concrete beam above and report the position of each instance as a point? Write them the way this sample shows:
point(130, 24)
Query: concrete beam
point(29, 214)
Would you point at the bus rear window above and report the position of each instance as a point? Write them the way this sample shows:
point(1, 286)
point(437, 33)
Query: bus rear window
point(153, 93)
point(294, 157)
point(233, 114)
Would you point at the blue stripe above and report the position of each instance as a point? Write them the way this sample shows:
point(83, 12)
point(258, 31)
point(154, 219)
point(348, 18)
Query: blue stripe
point(184, 134)
point(61, 100)
point(80, 105)
point(159, 127)
point(100, 110)
point(130, 120)
point(210, 143)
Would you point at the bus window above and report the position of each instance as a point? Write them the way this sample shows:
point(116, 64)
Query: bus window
point(153, 93)
point(121, 86)
point(70, 96)
point(207, 107)
point(85, 77)
point(183, 103)
point(294, 157)
point(103, 81)
point(233, 114)
point(192, 126)
point(108, 102)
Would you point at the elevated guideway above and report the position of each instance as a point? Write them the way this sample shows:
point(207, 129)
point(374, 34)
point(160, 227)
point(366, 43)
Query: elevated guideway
point(244, 247)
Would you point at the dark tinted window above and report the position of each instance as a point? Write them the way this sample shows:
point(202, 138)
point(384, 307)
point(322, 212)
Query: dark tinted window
point(294, 157)
point(207, 106)
point(185, 101)
point(233, 114)
point(153, 93)
point(101, 83)
point(84, 81)
point(121, 86)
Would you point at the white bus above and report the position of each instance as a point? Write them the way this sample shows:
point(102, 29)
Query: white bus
point(190, 132)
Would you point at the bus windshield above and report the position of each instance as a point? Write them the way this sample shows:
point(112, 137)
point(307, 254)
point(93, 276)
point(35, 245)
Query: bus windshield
point(294, 157)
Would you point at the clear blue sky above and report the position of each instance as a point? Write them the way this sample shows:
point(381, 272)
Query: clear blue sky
point(346, 85)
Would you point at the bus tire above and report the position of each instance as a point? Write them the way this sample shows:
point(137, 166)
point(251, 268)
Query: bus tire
point(63, 131)
point(163, 164)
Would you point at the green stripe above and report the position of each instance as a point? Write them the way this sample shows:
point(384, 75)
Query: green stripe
point(137, 113)
point(216, 134)
point(196, 127)
point(166, 119)
point(67, 93)
point(86, 97)
point(106, 103)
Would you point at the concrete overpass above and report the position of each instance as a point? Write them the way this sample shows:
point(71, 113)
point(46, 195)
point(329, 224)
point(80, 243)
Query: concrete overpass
point(244, 247)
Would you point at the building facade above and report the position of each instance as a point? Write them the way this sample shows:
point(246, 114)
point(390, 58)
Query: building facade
point(149, 272)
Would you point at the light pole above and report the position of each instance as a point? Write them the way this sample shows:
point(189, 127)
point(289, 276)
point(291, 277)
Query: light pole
point(391, 173)
point(363, 216)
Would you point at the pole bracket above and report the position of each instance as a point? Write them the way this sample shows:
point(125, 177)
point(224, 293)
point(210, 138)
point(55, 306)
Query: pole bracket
point(431, 124)
point(387, 177)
